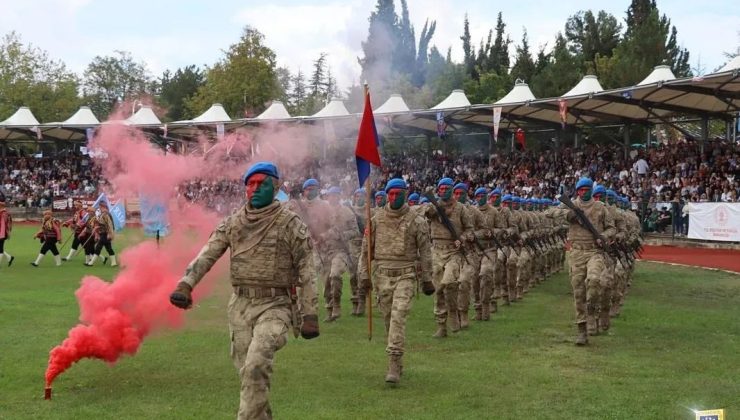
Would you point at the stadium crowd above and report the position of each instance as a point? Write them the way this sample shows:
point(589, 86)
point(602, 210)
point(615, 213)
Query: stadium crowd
point(659, 181)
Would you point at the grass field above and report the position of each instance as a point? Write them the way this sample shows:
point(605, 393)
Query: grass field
point(675, 347)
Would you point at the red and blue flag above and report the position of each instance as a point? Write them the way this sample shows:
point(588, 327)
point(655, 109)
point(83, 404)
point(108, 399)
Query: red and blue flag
point(366, 151)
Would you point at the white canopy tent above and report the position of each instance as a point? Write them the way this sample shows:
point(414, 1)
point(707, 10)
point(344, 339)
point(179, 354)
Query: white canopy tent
point(276, 111)
point(394, 105)
point(73, 128)
point(335, 108)
point(18, 125)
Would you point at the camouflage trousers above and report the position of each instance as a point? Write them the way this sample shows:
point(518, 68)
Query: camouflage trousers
point(469, 280)
point(512, 272)
point(499, 285)
point(357, 294)
point(395, 296)
point(446, 267)
point(525, 269)
point(609, 283)
point(587, 281)
point(620, 284)
point(338, 264)
point(259, 328)
point(485, 287)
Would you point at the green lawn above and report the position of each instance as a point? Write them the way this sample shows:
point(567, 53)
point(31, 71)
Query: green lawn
point(675, 347)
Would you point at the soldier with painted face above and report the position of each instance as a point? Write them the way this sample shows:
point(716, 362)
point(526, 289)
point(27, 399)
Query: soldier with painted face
point(610, 263)
point(447, 255)
point(524, 267)
point(508, 291)
point(471, 264)
point(339, 255)
point(587, 258)
point(483, 288)
point(413, 199)
point(400, 238)
point(381, 199)
point(499, 287)
point(271, 267)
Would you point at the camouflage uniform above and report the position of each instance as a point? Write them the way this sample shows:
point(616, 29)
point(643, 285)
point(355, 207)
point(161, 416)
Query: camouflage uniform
point(469, 280)
point(270, 253)
point(355, 246)
point(483, 291)
point(447, 261)
point(526, 256)
point(612, 266)
point(513, 252)
point(317, 215)
point(587, 260)
point(339, 256)
point(400, 238)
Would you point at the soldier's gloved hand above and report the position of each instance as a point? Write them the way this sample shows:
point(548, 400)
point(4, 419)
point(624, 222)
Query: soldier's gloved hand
point(181, 296)
point(310, 327)
point(427, 287)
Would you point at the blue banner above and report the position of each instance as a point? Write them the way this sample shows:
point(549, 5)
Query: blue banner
point(153, 216)
point(117, 211)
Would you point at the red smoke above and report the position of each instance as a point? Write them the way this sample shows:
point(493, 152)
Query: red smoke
point(116, 317)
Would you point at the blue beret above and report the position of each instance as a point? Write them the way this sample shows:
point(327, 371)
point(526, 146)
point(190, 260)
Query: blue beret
point(414, 197)
point(423, 200)
point(496, 191)
point(481, 190)
point(599, 190)
point(310, 183)
point(516, 199)
point(445, 181)
point(381, 194)
point(334, 190)
point(395, 183)
point(360, 191)
point(611, 193)
point(267, 168)
point(461, 186)
point(584, 182)
point(507, 197)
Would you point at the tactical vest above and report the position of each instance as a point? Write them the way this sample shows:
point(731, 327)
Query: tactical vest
point(454, 213)
point(395, 237)
point(597, 213)
point(267, 264)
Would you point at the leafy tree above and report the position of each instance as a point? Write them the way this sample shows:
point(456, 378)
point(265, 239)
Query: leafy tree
point(524, 66)
point(380, 47)
point(422, 58)
point(176, 87)
point(405, 54)
point(589, 35)
point(110, 80)
point(498, 57)
point(244, 81)
point(298, 95)
point(559, 73)
point(468, 50)
point(28, 77)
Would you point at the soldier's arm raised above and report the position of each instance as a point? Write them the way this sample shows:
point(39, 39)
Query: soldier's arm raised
point(302, 254)
point(208, 255)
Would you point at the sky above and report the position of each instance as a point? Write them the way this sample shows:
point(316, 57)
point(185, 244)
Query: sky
point(167, 34)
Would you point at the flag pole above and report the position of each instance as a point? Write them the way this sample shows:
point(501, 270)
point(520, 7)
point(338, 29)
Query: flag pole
point(370, 248)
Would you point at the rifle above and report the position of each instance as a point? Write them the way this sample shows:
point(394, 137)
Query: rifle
point(446, 223)
point(583, 220)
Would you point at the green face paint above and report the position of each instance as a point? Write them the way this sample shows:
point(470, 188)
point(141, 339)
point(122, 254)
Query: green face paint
point(482, 200)
point(360, 200)
point(312, 193)
point(397, 198)
point(445, 192)
point(263, 195)
point(496, 201)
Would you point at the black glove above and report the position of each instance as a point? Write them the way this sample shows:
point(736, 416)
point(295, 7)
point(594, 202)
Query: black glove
point(428, 288)
point(310, 327)
point(181, 296)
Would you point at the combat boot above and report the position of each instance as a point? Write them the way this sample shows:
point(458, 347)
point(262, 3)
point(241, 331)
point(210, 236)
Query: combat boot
point(441, 331)
point(582, 338)
point(591, 325)
point(604, 320)
point(394, 370)
point(361, 306)
point(479, 313)
point(464, 320)
point(485, 311)
point(454, 317)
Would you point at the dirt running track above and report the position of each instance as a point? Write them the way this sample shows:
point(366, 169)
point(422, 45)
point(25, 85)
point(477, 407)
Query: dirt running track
point(723, 259)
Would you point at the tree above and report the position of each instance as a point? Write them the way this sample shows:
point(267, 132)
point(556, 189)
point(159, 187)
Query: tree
point(650, 40)
point(380, 47)
point(468, 50)
point(28, 77)
point(110, 80)
point(244, 81)
point(176, 88)
point(298, 94)
point(318, 77)
point(422, 58)
point(405, 54)
point(524, 67)
point(498, 57)
point(560, 71)
point(588, 35)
